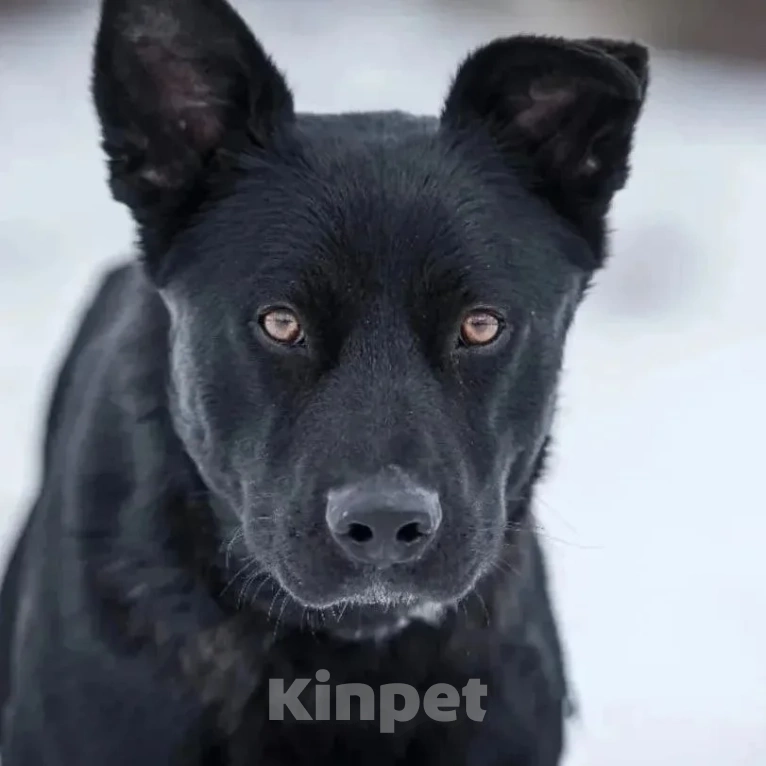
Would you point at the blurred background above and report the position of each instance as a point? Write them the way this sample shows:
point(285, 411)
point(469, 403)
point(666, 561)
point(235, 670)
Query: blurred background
point(653, 510)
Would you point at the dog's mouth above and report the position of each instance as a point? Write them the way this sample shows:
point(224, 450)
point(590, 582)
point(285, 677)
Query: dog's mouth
point(380, 599)
point(307, 566)
point(375, 611)
point(312, 588)
point(360, 622)
point(369, 592)
point(378, 613)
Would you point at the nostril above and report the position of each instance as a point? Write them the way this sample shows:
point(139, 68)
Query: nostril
point(410, 533)
point(382, 523)
point(359, 533)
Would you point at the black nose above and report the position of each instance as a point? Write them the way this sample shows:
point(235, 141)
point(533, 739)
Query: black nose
point(383, 522)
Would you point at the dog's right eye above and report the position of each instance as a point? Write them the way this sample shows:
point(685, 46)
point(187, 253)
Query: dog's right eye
point(480, 328)
point(281, 325)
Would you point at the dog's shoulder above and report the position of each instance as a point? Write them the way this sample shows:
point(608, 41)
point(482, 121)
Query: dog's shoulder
point(103, 313)
point(89, 541)
point(90, 339)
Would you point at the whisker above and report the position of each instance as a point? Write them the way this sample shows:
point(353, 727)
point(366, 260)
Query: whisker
point(543, 502)
point(271, 606)
point(506, 567)
point(281, 612)
point(483, 605)
point(545, 535)
point(238, 534)
point(247, 566)
point(246, 586)
point(258, 589)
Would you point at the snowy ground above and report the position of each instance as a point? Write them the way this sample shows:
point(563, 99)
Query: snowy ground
point(652, 508)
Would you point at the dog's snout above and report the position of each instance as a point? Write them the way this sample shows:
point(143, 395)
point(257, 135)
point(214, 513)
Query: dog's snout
point(383, 523)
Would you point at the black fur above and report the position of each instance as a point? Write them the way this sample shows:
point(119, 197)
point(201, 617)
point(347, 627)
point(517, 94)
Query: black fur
point(177, 557)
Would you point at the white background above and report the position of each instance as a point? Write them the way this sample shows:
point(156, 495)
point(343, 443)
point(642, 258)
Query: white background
point(654, 509)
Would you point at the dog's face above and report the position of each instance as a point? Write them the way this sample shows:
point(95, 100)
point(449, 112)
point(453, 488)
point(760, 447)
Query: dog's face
point(370, 336)
point(368, 312)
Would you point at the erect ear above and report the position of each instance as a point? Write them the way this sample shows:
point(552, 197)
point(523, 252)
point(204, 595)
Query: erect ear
point(633, 55)
point(566, 110)
point(175, 81)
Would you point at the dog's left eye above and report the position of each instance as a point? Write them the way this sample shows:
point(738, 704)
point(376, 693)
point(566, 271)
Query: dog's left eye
point(282, 326)
point(480, 328)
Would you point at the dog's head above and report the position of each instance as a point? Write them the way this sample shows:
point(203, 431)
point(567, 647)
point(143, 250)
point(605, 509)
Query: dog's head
point(368, 311)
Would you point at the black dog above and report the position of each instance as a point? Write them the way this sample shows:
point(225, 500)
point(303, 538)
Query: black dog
point(303, 433)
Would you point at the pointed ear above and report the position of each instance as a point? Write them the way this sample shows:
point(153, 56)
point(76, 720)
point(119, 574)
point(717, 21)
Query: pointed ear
point(633, 55)
point(564, 110)
point(175, 81)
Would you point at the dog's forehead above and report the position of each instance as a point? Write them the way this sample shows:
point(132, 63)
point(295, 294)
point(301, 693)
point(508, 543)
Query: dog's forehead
point(398, 198)
point(352, 213)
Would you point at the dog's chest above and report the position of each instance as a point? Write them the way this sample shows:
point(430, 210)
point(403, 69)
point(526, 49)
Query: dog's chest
point(299, 715)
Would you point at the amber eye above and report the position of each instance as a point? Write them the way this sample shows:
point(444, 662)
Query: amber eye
point(480, 328)
point(282, 326)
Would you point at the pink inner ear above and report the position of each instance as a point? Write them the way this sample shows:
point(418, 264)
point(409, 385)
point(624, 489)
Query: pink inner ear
point(545, 120)
point(548, 103)
point(187, 101)
point(193, 103)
